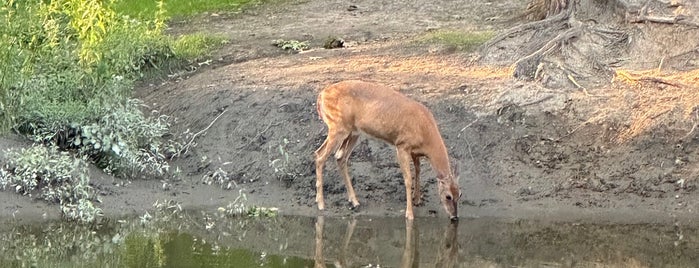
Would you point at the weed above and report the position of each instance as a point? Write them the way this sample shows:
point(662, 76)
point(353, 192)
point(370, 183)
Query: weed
point(293, 45)
point(219, 177)
point(282, 164)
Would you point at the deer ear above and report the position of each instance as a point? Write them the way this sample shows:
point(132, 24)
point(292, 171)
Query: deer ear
point(455, 170)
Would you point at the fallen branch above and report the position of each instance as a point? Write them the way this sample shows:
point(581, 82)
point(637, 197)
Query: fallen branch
point(185, 148)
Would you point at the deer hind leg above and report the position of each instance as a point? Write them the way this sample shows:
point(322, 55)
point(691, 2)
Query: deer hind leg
point(417, 192)
point(342, 156)
point(404, 158)
point(321, 155)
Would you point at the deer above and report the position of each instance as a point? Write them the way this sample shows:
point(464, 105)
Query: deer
point(352, 107)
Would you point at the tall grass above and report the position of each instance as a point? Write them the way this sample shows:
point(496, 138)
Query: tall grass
point(177, 8)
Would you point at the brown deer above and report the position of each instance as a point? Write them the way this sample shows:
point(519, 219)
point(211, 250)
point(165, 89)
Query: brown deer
point(351, 107)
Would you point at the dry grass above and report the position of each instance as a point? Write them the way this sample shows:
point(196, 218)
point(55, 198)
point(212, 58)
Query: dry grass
point(651, 95)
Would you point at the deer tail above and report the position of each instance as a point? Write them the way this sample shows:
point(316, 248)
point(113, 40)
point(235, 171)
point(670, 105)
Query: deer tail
point(319, 104)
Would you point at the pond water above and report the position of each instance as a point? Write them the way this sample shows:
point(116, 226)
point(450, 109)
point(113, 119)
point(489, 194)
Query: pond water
point(201, 240)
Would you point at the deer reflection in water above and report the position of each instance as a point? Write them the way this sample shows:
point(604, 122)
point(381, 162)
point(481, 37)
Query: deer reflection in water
point(446, 253)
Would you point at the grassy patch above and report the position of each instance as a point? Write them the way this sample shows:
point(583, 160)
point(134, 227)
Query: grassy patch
point(193, 46)
point(176, 8)
point(461, 41)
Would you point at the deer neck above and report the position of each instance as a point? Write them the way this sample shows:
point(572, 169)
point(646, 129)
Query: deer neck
point(439, 159)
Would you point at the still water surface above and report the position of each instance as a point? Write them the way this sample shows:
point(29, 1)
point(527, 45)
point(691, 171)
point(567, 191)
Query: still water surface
point(199, 240)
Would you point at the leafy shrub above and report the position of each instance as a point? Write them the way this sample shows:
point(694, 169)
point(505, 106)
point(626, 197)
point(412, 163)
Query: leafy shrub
point(54, 176)
point(293, 45)
point(125, 140)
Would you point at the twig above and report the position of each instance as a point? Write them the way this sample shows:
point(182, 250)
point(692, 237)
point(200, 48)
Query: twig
point(468, 145)
point(694, 126)
point(467, 126)
point(536, 101)
point(185, 148)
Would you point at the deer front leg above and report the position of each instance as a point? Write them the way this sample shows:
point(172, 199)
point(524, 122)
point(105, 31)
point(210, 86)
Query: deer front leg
point(417, 192)
point(404, 162)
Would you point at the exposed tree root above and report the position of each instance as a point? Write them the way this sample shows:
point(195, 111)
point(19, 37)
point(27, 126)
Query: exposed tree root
point(564, 51)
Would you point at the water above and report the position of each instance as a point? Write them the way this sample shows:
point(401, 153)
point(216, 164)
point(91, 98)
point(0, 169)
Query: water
point(201, 240)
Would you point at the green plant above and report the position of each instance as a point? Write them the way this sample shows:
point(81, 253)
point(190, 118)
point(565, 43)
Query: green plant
point(125, 141)
point(262, 212)
point(235, 208)
point(194, 46)
point(293, 45)
point(219, 177)
point(282, 164)
point(54, 176)
point(177, 8)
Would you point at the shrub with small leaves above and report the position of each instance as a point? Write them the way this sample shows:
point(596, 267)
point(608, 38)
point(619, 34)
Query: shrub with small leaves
point(125, 141)
point(293, 45)
point(54, 176)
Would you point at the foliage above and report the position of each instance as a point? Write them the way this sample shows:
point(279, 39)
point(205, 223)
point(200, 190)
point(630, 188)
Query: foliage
point(293, 45)
point(191, 47)
point(54, 176)
point(177, 8)
point(219, 177)
point(67, 68)
point(281, 162)
point(124, 139)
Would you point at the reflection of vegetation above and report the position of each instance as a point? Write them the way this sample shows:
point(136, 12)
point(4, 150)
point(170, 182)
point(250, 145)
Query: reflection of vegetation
point(165, 240)
point(462, 41)
point(176, 238)
point(143, 250)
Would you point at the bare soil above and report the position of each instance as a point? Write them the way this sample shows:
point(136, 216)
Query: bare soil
point(523, 150)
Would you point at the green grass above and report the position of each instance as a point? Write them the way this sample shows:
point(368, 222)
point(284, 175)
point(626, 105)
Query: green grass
point(193, 46)
point(176, 8)
point(461, 41)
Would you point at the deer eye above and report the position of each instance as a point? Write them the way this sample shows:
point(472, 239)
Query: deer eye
point(449, 197)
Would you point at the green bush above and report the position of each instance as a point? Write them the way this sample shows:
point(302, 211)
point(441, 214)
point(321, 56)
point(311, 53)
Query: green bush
point(125, 140)
point(67, 69)
point(54, 176)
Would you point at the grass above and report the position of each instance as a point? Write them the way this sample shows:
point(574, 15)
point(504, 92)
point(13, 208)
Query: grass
point(461, 41)
point(67, 70)
point(176, 8)
point(193, 46)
